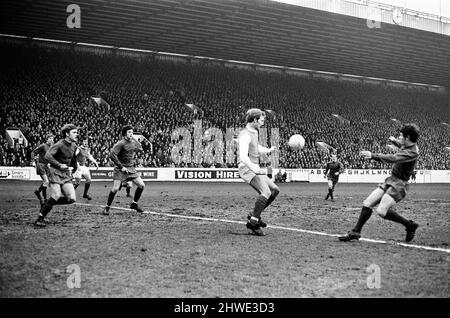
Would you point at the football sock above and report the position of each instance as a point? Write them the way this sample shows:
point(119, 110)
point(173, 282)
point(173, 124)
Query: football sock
point(110, 198)
point(363, 217)
point(391, 215)
point(260, 205)
point(137, 194)
point(86, 188)
point(75, 186)
point(44, 192)
point(128, 190)
point(271, 198)
point(38, 194)
point(47, 207)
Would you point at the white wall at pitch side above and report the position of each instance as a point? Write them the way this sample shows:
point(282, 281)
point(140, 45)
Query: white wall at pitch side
point(232, 175)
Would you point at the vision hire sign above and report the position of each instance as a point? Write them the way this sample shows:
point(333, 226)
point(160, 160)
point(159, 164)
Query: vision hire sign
point(206, 174)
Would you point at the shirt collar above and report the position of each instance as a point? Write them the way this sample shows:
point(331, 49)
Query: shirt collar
point(251, 128)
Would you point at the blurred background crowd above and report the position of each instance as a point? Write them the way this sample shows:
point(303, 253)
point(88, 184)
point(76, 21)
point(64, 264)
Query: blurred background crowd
point(43, 89)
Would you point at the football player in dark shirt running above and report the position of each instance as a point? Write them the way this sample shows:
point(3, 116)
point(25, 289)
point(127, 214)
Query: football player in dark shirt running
point(60, 156)
point(42, 167)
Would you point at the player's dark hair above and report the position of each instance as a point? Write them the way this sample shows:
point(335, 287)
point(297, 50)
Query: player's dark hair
point(254, 113)
point(410, 130)
point(67, 128)
point(125, 129)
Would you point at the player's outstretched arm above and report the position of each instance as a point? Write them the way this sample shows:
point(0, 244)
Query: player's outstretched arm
point(92, 159)
point(394, 140)
point(264, 150)
point(399, 157)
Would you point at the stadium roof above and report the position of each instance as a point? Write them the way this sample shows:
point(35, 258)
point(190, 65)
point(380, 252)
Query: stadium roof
point(257, 31)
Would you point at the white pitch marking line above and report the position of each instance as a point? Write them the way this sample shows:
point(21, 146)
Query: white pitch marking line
point(424, 247)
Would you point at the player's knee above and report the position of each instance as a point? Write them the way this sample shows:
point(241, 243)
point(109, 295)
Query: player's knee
point(381, 211)
point(367, 203)
point(266, 193)
point(45, 184)
point(275, 191)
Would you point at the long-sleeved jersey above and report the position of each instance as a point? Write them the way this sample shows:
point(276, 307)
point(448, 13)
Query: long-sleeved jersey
point(62, 152)
point(404, 161)
point(40, 151)
point(122, 153)
point(332, 168)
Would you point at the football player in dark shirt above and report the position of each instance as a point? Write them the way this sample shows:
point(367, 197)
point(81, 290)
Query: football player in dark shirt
point(60, 156)
point(333, 170)
point(42, 167)
point(122, 154)
point(394, 188)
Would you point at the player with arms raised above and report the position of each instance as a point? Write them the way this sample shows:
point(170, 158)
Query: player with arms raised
point(122, 154)
point(250, 171)
point(394, 188)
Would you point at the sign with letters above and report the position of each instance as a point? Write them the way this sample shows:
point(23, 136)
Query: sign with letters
point(206, 174)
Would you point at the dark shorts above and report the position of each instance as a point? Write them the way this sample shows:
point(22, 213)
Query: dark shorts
point(42, 169)
point(333, 179)
point(59, 176)
point(395, 187)
point(123, 176)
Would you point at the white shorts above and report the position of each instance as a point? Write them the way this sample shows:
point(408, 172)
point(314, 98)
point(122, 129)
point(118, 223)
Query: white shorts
point(82, 171)
point(246, 173)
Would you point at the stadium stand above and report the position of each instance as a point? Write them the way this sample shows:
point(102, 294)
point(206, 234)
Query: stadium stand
point(42, 89)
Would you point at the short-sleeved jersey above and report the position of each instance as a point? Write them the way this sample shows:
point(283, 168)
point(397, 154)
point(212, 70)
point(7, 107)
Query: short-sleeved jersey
point(62, 152)
point(404, 161)
point(332, 168)
point(122, 153)
point(40, 151)
point(253, 152)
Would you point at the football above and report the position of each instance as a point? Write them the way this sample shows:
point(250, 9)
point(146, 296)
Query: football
point(296, 142)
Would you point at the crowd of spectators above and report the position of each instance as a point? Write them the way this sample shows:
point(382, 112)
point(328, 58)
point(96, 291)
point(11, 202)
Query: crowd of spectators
point(42, 89)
